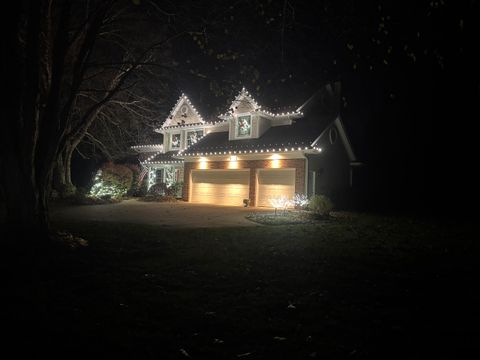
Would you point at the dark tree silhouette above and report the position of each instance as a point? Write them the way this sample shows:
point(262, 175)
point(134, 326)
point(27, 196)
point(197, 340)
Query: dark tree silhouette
point(53, 58)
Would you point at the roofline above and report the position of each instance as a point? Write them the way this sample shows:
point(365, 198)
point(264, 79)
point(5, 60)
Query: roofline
point(177, 105)
point(265, 150)
point(343, 135)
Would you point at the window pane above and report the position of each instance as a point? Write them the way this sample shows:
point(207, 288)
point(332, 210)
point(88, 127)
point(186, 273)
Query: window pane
point(175, 141)
point(194, 136)
point(244, 125)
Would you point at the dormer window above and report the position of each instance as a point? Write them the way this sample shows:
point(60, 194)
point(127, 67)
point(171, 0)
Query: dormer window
point(175, 142)
point(243, 126)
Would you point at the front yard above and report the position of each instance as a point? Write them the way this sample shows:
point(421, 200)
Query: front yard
point(355, 287)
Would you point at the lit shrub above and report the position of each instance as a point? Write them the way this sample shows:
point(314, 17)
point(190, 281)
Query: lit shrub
point(112, 181)
point(117, 174)
point(320, 205)
point(281, 202)
point(300, 201)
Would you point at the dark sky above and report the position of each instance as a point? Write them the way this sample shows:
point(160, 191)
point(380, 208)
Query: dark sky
point(409, 74)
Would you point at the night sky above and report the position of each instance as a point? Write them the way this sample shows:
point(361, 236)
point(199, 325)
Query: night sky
point(408, 70)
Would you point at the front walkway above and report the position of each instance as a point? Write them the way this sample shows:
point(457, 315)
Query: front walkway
point(178, 215)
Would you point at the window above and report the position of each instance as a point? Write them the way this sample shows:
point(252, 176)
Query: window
point(244, 126)
point(175, 143)
point(158, 176)
point(194, 136)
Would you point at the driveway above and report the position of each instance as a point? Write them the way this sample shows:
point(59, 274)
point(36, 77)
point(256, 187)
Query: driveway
point(178, 215)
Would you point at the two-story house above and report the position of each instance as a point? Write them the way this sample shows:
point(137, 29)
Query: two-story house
point(253, 153)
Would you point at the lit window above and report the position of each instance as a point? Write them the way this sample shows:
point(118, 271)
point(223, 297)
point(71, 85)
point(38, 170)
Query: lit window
point(244, 126)
point(193, 136)
point(175, 142)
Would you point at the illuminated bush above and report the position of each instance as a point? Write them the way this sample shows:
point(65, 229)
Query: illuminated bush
point(320, 205)
point(112, 181)
point(300, 201)
point(281, 202)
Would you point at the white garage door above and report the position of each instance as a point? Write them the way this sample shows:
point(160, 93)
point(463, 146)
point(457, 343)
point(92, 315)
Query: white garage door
point(274, 183)
point(220, 187)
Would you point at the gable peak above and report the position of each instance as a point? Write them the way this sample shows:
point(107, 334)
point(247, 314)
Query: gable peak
point(182, 105)
point(243, 95)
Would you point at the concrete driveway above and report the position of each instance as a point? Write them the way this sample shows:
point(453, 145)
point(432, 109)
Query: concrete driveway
point(177, 215)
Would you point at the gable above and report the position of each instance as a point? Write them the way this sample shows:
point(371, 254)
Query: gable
point(333, 134)
point(183, 113)
point(244, 103)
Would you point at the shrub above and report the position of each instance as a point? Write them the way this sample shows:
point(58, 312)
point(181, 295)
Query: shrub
point(112, 181)
point(118, 174)
point(162, 189)
point(320, 205)
point(158, 198)
point(135, 188)
point(142, 189)
point(300, 201)
point(176, 187)
point(157, 189)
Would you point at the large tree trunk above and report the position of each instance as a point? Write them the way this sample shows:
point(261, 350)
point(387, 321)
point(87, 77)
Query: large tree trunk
point(26, 198)
point(33, 131)
point(62, 175)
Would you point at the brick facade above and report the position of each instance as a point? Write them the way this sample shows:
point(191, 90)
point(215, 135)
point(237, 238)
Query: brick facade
point(253, 165)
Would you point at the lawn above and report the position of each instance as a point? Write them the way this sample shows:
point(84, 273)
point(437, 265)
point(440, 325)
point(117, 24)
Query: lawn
point(359, 286)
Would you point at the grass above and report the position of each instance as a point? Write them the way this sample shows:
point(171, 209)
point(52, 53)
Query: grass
point(283, 217)
point(354, 287)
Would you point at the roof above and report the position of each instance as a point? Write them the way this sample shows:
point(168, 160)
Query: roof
point(302, 133)
point(160, 158)
point(182, 100)
point(320, 111)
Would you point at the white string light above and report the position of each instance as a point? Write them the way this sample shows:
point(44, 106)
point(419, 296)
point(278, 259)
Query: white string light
point(279, 150)
point(183, 98)
point(147, 146)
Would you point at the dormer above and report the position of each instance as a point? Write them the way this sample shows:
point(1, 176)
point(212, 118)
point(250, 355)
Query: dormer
point(248, 120)
point(183, 126)
point(244, 119)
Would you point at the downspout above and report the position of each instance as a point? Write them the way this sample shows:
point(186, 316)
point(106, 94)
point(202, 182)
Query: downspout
point(306, 174)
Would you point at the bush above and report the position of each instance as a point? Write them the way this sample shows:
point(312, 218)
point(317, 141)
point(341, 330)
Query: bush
point(158, 189)
point(320, 205)
point(141, 190)
point(162, 189)
point(117, 174)
point(176, 188)
point(158, 198)
point(135, 188)
point(112, 181)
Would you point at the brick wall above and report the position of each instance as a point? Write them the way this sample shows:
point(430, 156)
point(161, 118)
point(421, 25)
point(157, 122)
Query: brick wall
point(253, 165)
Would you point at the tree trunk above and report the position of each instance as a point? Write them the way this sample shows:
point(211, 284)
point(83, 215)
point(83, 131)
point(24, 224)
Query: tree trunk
point(26, 201)
point(62, 176)
point(59, 176)
point(68, 166)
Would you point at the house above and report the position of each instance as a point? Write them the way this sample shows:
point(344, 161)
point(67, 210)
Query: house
point(251, 152)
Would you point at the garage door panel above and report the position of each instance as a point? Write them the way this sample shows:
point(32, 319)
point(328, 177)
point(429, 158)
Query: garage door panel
point(221, 187)
point(274, 184)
